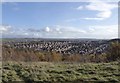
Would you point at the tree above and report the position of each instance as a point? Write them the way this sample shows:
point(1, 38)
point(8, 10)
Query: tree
point(55, 56)
point(114, 51)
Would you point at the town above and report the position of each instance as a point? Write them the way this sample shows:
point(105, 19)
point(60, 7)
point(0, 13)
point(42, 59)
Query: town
point(65, 47)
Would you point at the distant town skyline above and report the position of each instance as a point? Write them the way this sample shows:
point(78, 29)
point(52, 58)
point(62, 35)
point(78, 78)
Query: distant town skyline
point(94, 19)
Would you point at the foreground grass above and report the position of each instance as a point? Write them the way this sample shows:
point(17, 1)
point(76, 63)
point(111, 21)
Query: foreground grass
point(44, 72)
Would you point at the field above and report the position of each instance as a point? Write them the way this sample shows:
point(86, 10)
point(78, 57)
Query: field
point(61, 72)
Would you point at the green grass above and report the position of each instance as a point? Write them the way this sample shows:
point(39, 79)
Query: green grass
point(45, 72)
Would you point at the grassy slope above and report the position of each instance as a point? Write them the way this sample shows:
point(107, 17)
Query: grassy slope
point(61, 72)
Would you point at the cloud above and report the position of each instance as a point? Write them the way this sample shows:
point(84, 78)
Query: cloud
point(47, 29)
point(93, 18)
point(80, 8)
point(58, 31)
point(102, 32)
point(4, 28)
point(103, 8)
point(107, 32)
point(33, 30)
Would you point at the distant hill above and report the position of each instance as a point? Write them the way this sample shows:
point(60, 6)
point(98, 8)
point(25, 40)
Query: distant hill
point(114, 40)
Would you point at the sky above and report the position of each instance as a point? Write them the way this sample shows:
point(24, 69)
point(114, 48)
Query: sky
point(94, 19)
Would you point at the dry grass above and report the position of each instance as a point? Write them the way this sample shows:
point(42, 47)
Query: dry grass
point(60, 72)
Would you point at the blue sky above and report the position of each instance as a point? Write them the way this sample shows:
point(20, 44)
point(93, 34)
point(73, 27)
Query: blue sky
point(60, 19)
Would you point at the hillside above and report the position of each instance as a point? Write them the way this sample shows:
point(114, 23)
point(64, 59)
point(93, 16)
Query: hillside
point(61, 50)
point(44, 72)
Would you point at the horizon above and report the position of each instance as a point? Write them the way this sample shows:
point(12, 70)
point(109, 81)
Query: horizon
point(64, 38)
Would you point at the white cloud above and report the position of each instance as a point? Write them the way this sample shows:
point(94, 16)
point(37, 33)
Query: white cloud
point(80, 8)
point(108, 31)
point(57, 31)
point(73, 30)
point(47, 29)
point(103, 8)
point(105, 14)
point(93, 18)
point(102, 32)
point(91, 29)
point(4, 28)
point(26, 33)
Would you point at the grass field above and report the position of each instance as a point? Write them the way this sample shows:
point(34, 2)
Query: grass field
point(44, 72)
